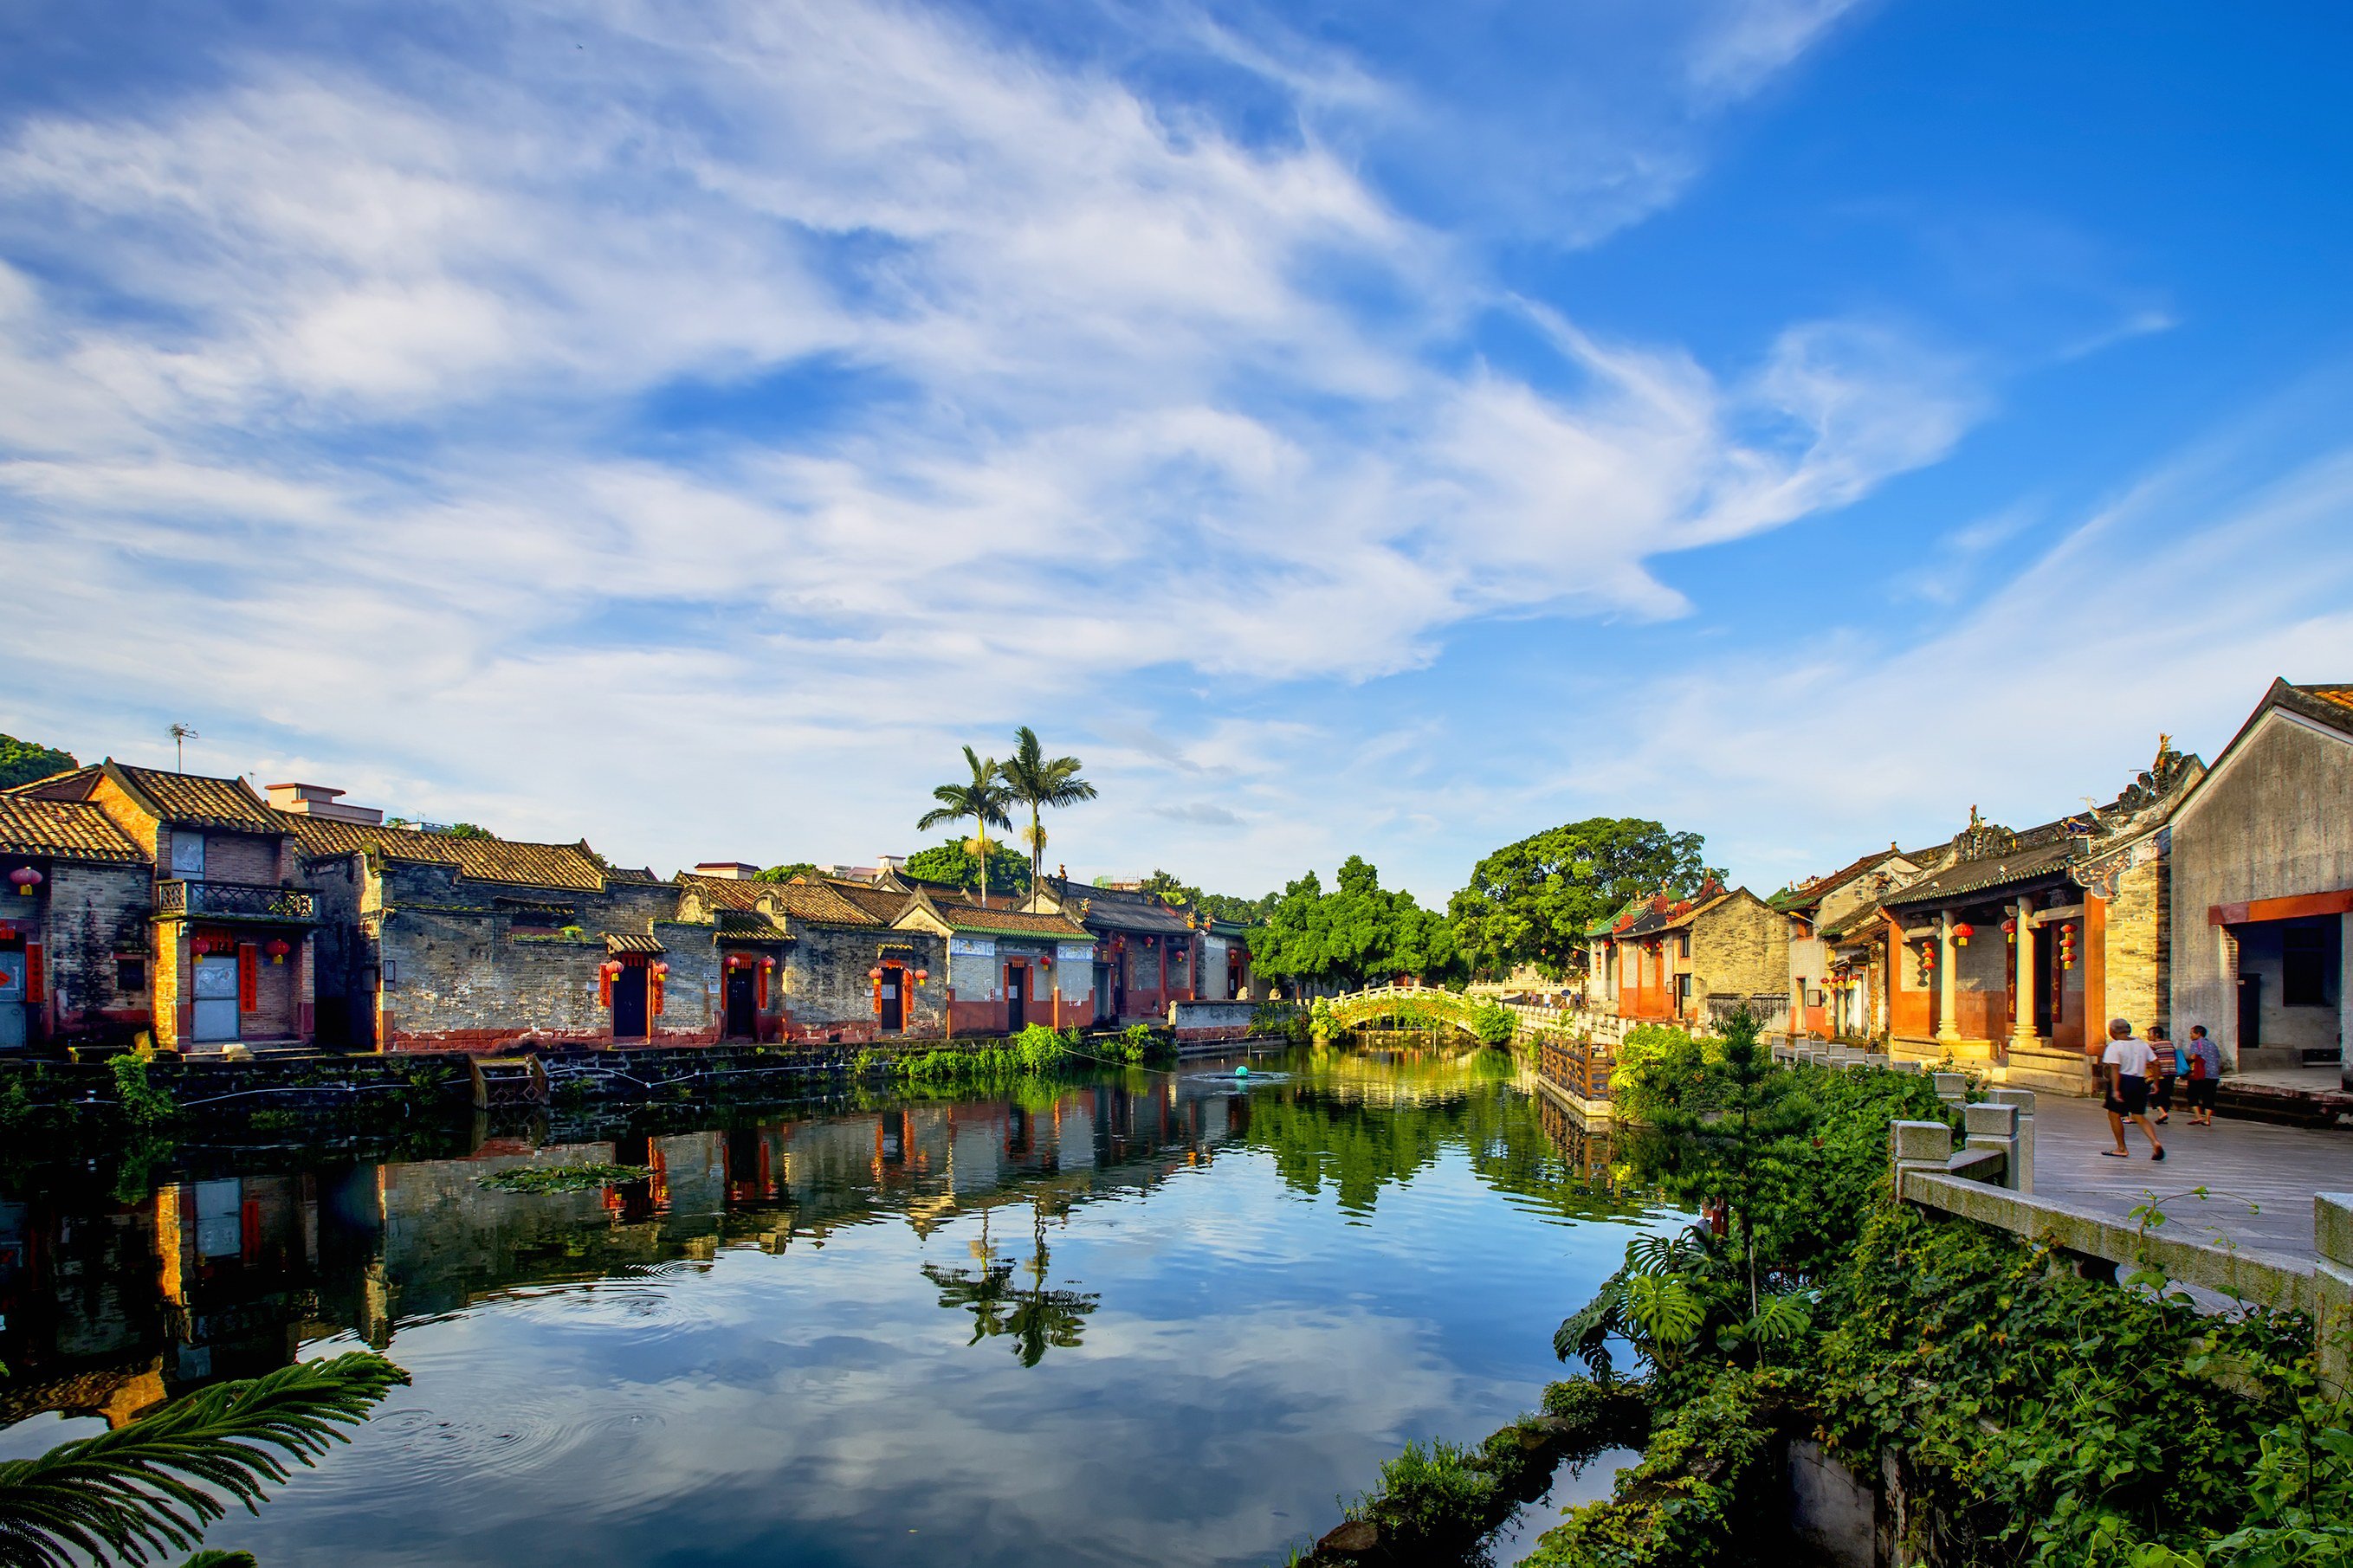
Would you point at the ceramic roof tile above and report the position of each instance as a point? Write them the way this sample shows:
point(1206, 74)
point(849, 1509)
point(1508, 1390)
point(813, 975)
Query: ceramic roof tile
point(2341, 695)
point(965, 916)
point(477, 859)
point(817, 902)
point(64, 829)
point(630, 941)
point(2034, 857)
point(202, 802)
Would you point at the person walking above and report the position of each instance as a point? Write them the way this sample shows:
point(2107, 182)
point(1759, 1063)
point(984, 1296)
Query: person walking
point(2127, 1062)
point(2167, 1066)
point(2204, 1075)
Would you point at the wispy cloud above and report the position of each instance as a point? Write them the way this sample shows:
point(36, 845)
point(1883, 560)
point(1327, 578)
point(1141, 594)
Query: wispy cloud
point(353, 381)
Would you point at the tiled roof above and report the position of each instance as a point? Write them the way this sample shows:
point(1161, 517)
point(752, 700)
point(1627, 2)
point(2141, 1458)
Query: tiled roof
point(62, 829)
point(1811, 893)
point(817, 902)
point(202, 802)
point(477, 859)
point(967, 915)
point(1119, 908)
point(2035, 856)
point(880, 903)
point(2335, 696)
point(630, 941)
point(47, 784)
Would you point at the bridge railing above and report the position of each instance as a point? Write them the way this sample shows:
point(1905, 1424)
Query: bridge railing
point(1580, 1066)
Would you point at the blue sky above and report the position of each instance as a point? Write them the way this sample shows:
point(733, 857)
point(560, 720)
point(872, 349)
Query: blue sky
point(1374, 429)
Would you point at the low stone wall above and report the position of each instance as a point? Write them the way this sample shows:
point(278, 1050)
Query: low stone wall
point(1195, 1021)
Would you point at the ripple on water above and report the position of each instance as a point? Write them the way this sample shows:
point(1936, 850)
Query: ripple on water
point(529, 1427)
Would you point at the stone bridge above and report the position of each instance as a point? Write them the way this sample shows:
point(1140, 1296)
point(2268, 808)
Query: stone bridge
point(1403, 1007)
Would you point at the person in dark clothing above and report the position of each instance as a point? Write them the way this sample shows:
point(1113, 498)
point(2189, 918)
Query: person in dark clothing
point(2165, 1069)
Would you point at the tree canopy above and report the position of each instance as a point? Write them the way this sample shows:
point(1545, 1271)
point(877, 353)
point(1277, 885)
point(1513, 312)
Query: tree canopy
point(1358, 932)
point(22, 762)
point(1531, 902)
point(951, 862)
point(1220, 906)
point(785, 872)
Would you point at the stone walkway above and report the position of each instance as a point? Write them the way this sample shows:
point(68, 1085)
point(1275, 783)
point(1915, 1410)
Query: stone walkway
point(2277, 1169)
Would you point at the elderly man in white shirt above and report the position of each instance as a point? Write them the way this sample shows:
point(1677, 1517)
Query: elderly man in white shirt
point(2126, 1063)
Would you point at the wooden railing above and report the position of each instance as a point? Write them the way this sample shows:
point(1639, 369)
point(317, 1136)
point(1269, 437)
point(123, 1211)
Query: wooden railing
point(1580, 1066)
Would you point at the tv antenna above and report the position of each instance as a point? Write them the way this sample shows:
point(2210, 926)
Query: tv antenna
point(181, 736)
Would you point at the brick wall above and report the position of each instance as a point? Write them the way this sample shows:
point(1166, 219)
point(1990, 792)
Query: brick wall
point(90, 914)
point(1741, 947)
point(2133, 935)
point(825, 985)
point(241, 858)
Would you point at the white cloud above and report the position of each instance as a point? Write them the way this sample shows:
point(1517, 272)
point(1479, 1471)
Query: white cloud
point(342, 384)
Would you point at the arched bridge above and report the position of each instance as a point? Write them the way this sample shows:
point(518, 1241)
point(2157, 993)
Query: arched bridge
point(1411, 1007)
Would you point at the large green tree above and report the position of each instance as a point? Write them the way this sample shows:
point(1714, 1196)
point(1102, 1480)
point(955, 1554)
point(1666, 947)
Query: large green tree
point(1038, 780)
point(22, 762)
point(1358, 932)
point(955, 863)
point(1531, 902)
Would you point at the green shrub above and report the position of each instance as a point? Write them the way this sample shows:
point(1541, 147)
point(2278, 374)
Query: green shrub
point(1432, 1503)
point(1493, 1023)
point(1698, 1496)
point(143, 1104)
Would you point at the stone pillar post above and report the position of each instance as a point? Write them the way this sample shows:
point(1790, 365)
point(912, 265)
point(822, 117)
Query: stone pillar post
point(1948, 1030)
point(1917, 1146)
point(2021, 1030)
point(1992, 1124)
point(2025, 1100)
point(2332, 1230)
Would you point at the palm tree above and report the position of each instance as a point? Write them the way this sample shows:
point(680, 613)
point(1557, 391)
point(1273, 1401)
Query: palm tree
point(1035, 781)
point(984, 800)
point(149, 1487)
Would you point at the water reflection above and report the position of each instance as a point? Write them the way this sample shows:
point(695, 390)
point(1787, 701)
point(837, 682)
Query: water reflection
point(1292, 1276)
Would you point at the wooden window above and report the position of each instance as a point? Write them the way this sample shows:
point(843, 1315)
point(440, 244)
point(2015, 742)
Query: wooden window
point(2303, 974)
point(1682, 945)
point(130, 973)
point(188, 856)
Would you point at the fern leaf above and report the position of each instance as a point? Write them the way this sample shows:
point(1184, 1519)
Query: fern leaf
point(149, 1488)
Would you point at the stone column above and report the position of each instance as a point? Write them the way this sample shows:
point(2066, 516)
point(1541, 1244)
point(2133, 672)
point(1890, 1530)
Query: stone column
point(2021, 1031)
point(2332, 1228)
point(1948, 1030)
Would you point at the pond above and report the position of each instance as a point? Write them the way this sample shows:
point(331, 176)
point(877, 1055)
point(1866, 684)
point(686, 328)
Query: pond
point(1152, 1318)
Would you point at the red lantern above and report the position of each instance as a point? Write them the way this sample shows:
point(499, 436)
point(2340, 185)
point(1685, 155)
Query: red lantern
point(26, 879)
point(1962, 933)
point(875, 973)
point(661, 967)
point(768, 963)
point(2010, 931)
point(922, 975)
point(199, 946)
point(278, 952)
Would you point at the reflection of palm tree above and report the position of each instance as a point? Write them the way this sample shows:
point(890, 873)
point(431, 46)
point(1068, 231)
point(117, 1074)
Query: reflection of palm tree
point(1046, 1317)
point(981, 1292)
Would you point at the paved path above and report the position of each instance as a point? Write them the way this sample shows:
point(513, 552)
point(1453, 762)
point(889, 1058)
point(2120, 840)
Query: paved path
point(2276, 1168)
